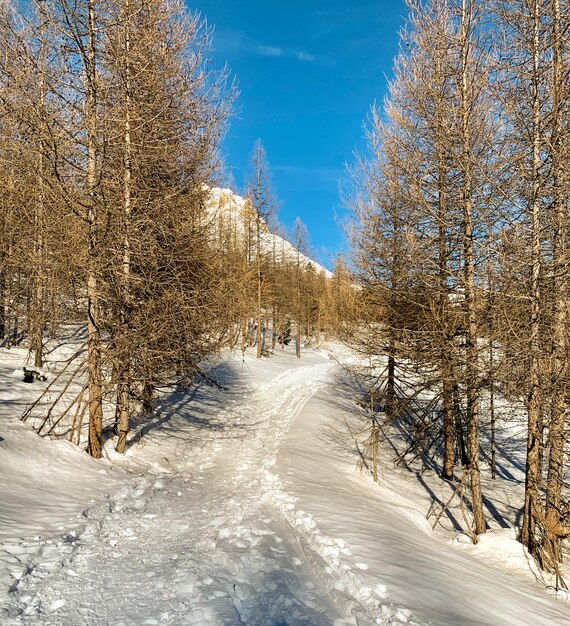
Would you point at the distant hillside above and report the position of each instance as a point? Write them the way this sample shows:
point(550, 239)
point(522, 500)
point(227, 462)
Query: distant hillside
point(224, 202)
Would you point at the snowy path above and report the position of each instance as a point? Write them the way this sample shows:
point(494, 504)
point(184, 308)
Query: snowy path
point(240, 507)
point(393, 553)
point(206, 545)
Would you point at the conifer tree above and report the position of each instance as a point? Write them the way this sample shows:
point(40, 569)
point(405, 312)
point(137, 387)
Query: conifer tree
point(263, 207)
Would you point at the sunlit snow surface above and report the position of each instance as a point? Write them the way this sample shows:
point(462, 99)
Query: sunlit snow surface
point(224, 204)
point(235, 506)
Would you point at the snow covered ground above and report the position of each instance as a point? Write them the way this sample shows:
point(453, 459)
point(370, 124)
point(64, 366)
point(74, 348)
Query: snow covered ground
point(235, 506)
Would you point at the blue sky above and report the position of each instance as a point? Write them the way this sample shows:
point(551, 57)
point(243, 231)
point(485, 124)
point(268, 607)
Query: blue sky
point(307, 74)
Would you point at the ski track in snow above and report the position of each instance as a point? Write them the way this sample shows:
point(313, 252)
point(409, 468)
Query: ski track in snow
point(218, 541)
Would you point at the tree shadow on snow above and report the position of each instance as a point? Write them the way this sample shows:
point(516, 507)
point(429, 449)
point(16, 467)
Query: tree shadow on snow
point(207, 405)
point(347, 435)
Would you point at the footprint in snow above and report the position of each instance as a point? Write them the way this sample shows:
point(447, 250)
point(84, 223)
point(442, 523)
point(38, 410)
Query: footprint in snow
point(56, 605)
point(381, 591)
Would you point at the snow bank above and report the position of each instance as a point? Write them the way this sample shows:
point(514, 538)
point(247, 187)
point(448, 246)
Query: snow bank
point(378, 543)
point(45, 485)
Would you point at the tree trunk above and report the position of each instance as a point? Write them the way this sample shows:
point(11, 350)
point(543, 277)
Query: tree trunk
point(533, 475)
point(448, 419)
point(2, 297)
point(274, 326)
point(390, 408)
point(38, 262)
point(234, 335)
point(446, 366)
point(243, 334)
point(259, 290)
point(93, 332)
point(298, 338)
point(556, 436)
point(148, 398)
point(124, 383)
point(123, 408)
point(471, 331)
point(492, 412)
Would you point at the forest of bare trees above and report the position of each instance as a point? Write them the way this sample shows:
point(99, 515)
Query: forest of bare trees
point(460, 241)
point(111, 121)
point(111, 129)
point(112, 227)
point(274, 294)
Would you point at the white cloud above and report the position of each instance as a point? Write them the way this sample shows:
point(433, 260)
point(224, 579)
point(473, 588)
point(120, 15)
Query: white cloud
point(236, 41)
point(269, 51)
point(273, 51)
point(304, 56)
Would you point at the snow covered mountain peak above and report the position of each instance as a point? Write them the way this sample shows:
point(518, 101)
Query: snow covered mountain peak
point(226, 204)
